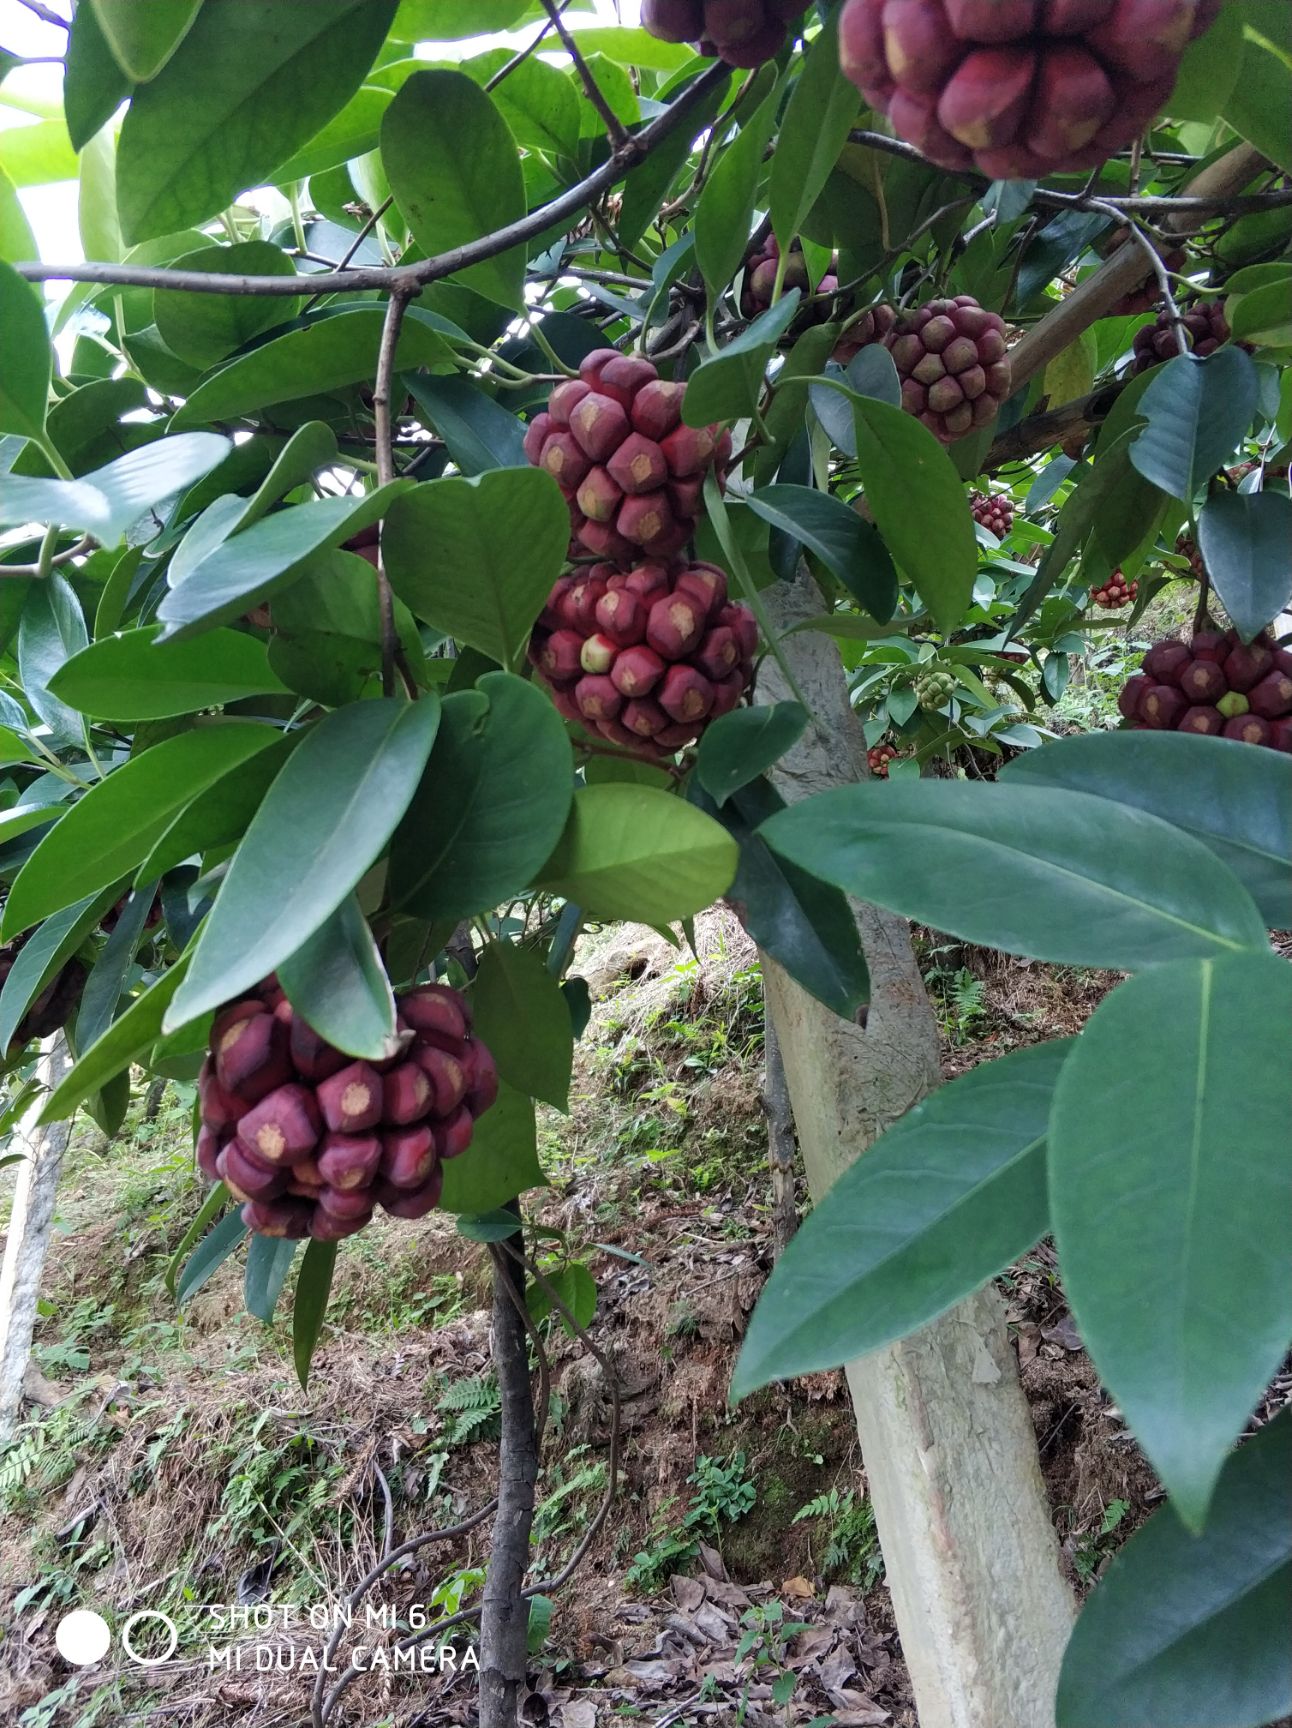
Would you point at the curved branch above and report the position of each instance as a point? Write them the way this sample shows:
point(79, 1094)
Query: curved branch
point(403, 278)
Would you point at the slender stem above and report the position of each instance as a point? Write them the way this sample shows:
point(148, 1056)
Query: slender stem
point(45, 14)
point(540, 338)
point(355, 244)
point(298, 225)
point(609, 119)
point(383, 419)
point(524, 54)
point(45, 565)
point(49, 450)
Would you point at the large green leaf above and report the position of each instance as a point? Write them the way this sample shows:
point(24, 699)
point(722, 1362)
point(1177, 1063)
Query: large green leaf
point(25, 359)
point(42, 957)
point(204, 328)
point(849, 547)
point(107, 981)
point(219, 815)
point(637, 853)
point(17, 242)
point(51, 629)
point(94, 85)
point(740, 746)
point(1258, 103)
point(313, 1287)
point(1056, 875)
point(322, 823)
point(251, 81)
point(1196, 412)
point(478, 432)
point(124, 1042)
point(447, 20)
point(143, 38)
point(730, 384)
point(501, 1162)
point(106, 502)
point(337, 983)
point(134, 677)
point(1244, 540)
point(521, 1015)
point(326, 354)
point(1237, 800)
point(492, 805)
point(939, 1204)
point(210, 1254)
point(499, 542)
point(117, 822)
point(725, 211)
point(354, 131)
point(453, 168)
point(250, 566)
point(814, 130)
point(1170, 1161)
point(537, 101)
point(269, 1260)
point(1186, 1628)
point(807, 926)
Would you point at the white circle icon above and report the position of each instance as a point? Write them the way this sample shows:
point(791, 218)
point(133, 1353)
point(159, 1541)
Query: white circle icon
point(83, 1638)
point(172, 1631)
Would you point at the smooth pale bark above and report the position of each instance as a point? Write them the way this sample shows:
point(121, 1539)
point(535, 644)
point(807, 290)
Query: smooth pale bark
point(982, 1607)
point(42, 1150)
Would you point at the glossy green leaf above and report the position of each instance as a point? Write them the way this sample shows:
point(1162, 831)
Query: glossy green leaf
point(133, 676)
point(337, 983)
point(499, 544)
point(51, 629)
point(37, 155)
point(804, 924)
point(813, 131)
point(730, 384)
point(538, 101)
point(1263, 316)
point(106, 502)
point(1169, 1158)
point(724, 214)
point(479, 433)
point(25, 361)
point(1244, 539)
point(204, 328)
point(354, 131)
point(323, 822)
point(501, 1162)
point(569, 1292)
point(447, 20)
point(939, 1205)
point(210, 1255)
point(232, 103)
point(128, 1037)
point(1056, 875)
point(211, 1209)
point(492, 805)
point(452, 165)
point(143, 38)
point(744, 744)
point(107, 980)
point(220, 814)
point(117, 823)
point(848, 546)
point(1186, 1628)
point(632, 852)
point(41, 958)
point(269, 1260)
point(522, 1018)
point(1236, 800)
point(17, 242)
point(1257, 106)
point(327, 354)
point(250, 566)
point(1197, 411)
point(313, 1287)
point(94, 85)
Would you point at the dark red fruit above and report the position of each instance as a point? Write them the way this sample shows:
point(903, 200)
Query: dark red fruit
point(1215, 685)
point(1209, 721)
point(349, 1161)
point(1116, 591)
point(1249, 729)
point(1205, 329)
point(283, 1127)
point(994, 512)
point(1272, 697)
point(1203, 681)
point(1161, 706)
point(951, 358)
point(741, 32)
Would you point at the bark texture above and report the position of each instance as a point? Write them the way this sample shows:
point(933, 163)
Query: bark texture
point(28, 1238)
point(781, 1145)
point(972, 1559)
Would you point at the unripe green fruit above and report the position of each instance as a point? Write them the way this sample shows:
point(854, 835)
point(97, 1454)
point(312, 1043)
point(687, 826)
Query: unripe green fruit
point(1233, 704)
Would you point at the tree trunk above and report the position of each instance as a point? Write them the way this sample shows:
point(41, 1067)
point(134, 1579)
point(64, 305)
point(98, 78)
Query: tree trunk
point(28, 1240)
point(504, 1623)
point(781, 1144)
point(972, 1559)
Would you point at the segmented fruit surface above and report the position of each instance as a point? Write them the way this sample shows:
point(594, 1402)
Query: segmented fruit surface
point(1205, 329)
point(951, 358)
point(311, 1141)
point(760, 279)
point(993, 512)
point(1018, 88)
point(1116, 591)
point(1215, 684)
point(741, 32)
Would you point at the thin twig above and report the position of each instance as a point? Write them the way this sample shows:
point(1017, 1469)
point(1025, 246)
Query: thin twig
point(45, 14)
point(355, 244)
point(1141, 239)
point(383, 421)
point(78, 551)
point(609, 119)
point(407, 278)
point(520, 58)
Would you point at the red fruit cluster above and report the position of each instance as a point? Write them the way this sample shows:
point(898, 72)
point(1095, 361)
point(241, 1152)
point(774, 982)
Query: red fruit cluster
point(311, 1141)
point(876, 324)
point(631, 472)
point(1187, 547)
point(1116, 591)
point(1018, 88)
point(741, 32)
point(950, 356)
point(995, 512)
point(760, 276)
point(879, 759)
point(55, 1005)
point(1205, 328)
point(1215, 684)
point(645, 657)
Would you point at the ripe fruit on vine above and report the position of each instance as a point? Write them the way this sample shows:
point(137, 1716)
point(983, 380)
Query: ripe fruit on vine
point(1205, 329)
point(1018, 88)
point(1187, 547)
point(1214, 684)
point(875, 324)
point(55, 1005)
point(741, 32)
point(760, 277)
point(631, 472)
point(311, 1141)
point(950, 356)
point(879, 759)
point(1116, 591)
point(993, 512)
point(645, 657)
